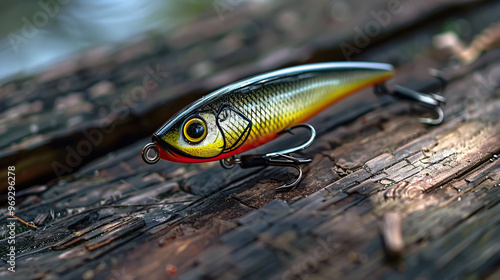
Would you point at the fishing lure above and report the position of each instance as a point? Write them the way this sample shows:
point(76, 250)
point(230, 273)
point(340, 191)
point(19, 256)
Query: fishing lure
point(252, 112)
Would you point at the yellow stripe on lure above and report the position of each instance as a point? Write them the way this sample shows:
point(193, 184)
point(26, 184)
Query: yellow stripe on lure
point(251, 112)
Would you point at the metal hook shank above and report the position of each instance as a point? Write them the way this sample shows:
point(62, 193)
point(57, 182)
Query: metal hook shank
point(429, 100)
point(279, 158)
point(298, 148)
point(435, 121)
point(287, 187)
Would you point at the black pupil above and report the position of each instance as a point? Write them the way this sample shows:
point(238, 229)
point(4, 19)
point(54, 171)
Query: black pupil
point(195, 130)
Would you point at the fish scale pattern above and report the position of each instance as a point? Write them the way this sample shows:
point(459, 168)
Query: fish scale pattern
point(274, 106)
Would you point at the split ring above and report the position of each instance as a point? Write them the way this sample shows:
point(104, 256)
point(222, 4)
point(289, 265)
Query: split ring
point(145, 154)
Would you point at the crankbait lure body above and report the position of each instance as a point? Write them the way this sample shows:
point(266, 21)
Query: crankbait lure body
point(252, 112)
point(249, 113)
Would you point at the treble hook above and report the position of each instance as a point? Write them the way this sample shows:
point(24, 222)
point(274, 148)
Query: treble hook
point(430, 100)
point(279, 158)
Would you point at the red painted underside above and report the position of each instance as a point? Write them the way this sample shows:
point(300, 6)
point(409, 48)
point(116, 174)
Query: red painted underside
point(172, 156)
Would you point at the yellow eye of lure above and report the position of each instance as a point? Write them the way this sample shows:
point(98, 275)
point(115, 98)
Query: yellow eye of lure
point(195, 130)
point(254, 111)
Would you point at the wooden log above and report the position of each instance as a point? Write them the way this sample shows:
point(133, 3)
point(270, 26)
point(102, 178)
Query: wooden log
point(117, 218)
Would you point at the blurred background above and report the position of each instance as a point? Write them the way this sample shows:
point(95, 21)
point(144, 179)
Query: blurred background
point(82, 79)
point(36, 34)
